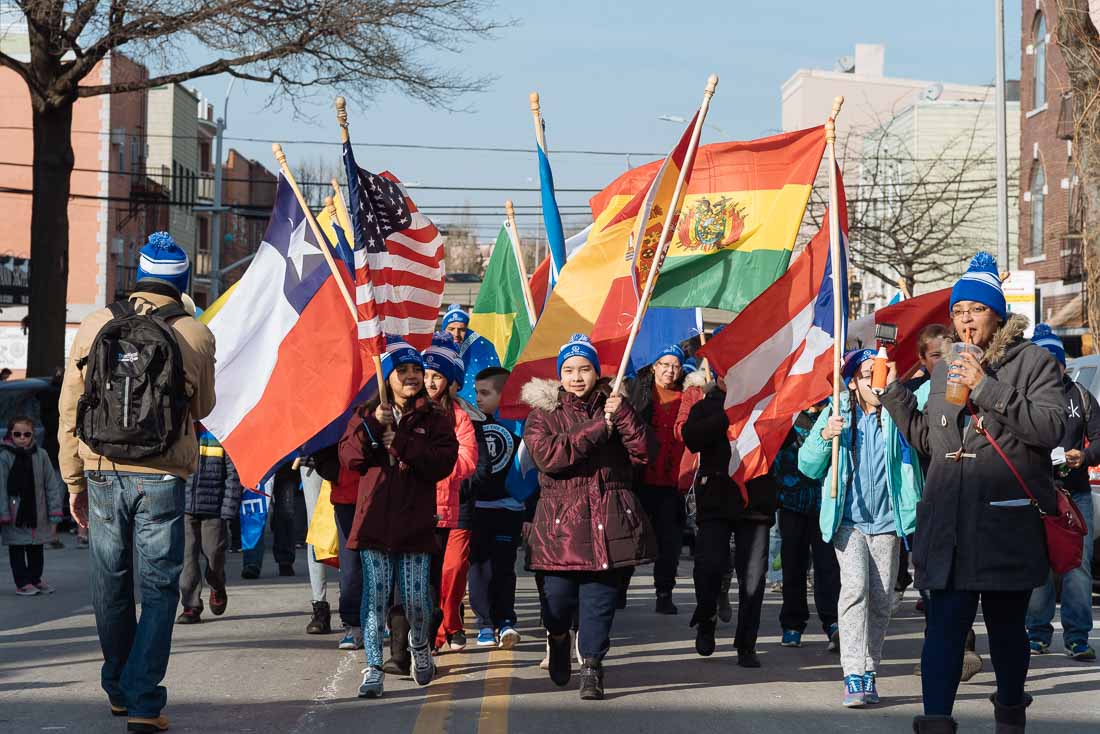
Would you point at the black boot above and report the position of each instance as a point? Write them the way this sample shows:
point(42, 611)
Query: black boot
point(704, 634)
point(400, 662)
point(1010, 719)
point(934, 725)
point(561, 666)
point(725, 611)
point(665, 605)
point(321, 622)
point(591, 680)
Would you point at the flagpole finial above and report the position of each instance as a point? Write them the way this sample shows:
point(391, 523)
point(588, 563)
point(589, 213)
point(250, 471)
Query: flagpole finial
point(342, 111)
point(838, 102)
point(712, 84)
point(280, 156)
point(830, 124)
point(330, 208)
point(534, 101)
point(510, 210)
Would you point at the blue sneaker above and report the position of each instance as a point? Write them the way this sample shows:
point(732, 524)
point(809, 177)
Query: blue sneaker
point(853, 691)
point(373, 683)
point(1080, 651)
point(486, 637)
point(791, 638)
point(509, 638)
point(870, 691)
point(834, 637)
point(352, 639)
point(1038, 647)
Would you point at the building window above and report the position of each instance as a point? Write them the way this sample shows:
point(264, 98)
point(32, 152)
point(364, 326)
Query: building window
point(1039, 69)
point(1038, 193)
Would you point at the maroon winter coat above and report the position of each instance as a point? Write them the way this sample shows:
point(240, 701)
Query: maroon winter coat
point(395, 508)
point(588, 518)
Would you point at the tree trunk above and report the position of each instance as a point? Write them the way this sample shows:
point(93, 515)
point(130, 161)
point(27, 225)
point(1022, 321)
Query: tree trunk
point(49, 276)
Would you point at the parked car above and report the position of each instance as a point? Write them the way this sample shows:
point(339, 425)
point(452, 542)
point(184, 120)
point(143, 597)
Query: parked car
point(1085, 371)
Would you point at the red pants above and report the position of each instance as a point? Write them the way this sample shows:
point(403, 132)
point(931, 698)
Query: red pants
point(452, 586)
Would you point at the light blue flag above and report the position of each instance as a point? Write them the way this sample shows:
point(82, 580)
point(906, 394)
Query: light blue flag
point(660, 328)
point(555, 235)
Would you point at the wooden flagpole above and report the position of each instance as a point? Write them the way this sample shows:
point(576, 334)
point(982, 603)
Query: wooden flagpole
point(345, 222)
point(536, 113)
point(834, 256)
point(663, 242)
point(513, 235)
point(280, 156)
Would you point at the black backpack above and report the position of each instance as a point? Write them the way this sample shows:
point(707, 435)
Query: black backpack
point(135, 401)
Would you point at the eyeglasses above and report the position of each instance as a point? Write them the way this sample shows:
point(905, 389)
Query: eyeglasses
point(20, 434)
point(958, 313)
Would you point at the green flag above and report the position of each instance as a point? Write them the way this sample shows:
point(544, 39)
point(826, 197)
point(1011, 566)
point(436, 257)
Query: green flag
point(500, 314)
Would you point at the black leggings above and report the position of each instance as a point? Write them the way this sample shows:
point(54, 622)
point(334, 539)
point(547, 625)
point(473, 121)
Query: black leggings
point(27, 562)
point(950, 616)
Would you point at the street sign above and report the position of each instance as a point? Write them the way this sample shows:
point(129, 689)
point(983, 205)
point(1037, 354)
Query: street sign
point(1019, 289)
point(15, 281)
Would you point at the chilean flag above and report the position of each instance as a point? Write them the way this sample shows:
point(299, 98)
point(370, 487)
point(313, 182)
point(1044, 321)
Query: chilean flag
point(777, 355)
point(288, 356)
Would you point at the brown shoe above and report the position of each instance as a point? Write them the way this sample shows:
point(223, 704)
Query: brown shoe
point(147, 726)
point(218, 602)
point(117, 710)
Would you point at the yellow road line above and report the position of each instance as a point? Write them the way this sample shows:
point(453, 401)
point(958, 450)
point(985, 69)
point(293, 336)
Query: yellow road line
point(435, 712)
point(493, 718)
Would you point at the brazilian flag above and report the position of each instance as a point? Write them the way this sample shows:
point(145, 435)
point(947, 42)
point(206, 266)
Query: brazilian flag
point(500, 314)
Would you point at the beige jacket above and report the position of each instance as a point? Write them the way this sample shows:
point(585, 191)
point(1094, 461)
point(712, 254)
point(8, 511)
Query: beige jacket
point(197, 347)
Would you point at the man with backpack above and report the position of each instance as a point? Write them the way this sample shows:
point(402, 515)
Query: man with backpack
point(138, 375)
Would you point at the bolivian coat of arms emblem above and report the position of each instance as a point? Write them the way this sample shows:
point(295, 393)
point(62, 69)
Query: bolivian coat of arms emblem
point(709, 226)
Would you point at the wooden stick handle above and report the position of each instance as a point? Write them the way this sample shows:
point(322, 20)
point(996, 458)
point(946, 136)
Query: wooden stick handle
point(536, 113)
point(835, 255)
point(664, 241)
point(513, 234)
point(322, 242)
point(342, 118)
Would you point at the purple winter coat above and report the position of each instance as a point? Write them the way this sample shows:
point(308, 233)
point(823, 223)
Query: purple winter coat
point(588, 518)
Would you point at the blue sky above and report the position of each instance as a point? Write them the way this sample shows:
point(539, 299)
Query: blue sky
point(607, 71)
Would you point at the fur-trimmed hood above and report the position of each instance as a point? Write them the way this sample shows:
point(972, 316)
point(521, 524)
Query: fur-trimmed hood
point(543, 394)
point(699, 378)
point(1008, 336)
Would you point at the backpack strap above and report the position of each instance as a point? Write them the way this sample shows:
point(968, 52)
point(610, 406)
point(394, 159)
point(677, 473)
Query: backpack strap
point(169, 311)
point(1086, 404)
point(122, 309)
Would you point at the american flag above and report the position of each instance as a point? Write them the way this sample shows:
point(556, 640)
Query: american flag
point(397, 259)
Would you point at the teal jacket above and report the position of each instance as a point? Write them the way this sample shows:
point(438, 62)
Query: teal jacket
point(903, 473)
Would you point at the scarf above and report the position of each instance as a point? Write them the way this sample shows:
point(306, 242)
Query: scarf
point(21, 485)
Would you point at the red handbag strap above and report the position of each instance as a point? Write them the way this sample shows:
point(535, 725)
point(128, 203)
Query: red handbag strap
point(1000, 452)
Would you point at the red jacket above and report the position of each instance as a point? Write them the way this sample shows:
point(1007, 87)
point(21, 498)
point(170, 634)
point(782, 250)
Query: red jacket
point(346, 489)
point(395, 507)
point(694, 391)
point(588, 517)
point(447, 500)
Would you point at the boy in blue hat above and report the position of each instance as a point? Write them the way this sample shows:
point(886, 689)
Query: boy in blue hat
point(1072, 471)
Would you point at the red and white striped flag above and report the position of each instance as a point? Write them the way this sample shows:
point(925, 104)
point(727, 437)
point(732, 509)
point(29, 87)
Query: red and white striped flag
point(777, 355)
point(397, 259)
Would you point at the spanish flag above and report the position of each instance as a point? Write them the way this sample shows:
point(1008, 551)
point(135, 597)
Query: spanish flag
point(597, 291)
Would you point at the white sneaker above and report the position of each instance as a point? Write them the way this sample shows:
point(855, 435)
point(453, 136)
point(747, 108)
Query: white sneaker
point(509, 638)
point(545, 664)
point(577, 647)
point(44, 588)
point(26, 590)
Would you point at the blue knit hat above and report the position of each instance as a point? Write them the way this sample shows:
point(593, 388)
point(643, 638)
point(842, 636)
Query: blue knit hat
point(442, 357)
point(162, 259)
point(981, 284)
point(579, 346)
point(671, 350)
point(455, 313)
point(852, 361)
point(1045, 337)
point(398, 352)
point(690, 365)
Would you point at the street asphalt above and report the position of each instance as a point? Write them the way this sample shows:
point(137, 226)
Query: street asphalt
point(255, 670)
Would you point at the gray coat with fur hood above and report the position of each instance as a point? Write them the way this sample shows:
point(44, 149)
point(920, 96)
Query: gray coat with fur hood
point(976, 530)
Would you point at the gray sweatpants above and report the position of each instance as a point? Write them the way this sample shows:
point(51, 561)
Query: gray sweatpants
point(311, 486)
point(868, 568)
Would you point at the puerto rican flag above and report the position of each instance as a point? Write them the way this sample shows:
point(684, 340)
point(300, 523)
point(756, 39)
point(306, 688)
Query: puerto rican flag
point(777, 355)
point(397, 259)
point(287, 358)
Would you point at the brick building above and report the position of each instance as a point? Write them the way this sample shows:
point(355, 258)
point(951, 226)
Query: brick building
point(1050, 206)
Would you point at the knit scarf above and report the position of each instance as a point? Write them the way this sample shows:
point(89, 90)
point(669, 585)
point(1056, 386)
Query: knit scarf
point(21, 485)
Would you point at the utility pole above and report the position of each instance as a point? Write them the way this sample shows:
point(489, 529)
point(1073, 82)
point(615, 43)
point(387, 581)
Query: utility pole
point(1002, 141)
point(218, 210)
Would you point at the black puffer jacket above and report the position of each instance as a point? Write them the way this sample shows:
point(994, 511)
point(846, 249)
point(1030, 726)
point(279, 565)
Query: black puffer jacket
point(976, 529)
point(214, 490)
point(717, 497)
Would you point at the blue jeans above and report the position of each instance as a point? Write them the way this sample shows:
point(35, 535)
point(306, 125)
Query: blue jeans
point(135, 516)
point(1076, 593)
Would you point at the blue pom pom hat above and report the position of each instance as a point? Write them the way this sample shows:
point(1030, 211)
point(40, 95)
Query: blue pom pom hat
point(982, 284)
point(579, 345)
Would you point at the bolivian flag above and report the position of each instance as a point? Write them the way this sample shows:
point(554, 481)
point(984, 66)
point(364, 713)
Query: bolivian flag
point(500, 314)
point(739, 221)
